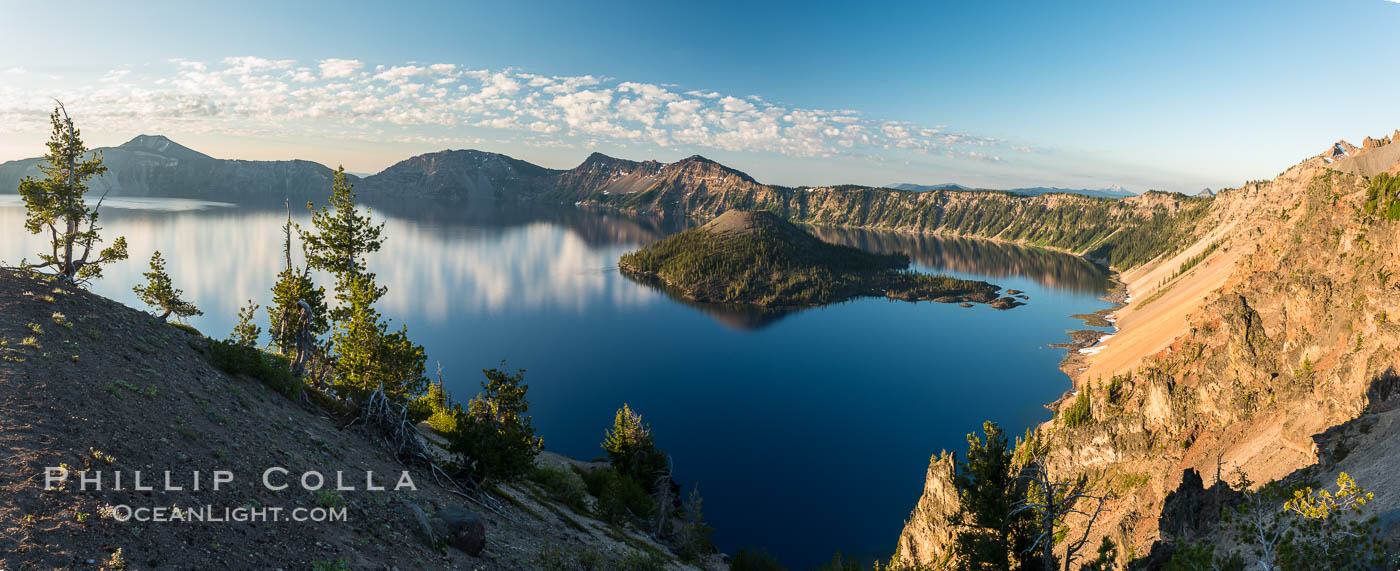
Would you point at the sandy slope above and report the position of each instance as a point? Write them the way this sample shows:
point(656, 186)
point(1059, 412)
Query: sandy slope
point(1146, 325)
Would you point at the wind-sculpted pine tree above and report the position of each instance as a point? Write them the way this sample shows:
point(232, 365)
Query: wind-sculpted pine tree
point(366, 355)
point(55, 205)
point(159, 293)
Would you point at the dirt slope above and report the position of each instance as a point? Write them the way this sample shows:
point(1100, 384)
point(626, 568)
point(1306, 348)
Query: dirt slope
point(90, 384)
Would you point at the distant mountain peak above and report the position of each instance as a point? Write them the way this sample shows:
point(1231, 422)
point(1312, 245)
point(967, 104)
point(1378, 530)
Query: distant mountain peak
point(161, 145)
point(702, 164)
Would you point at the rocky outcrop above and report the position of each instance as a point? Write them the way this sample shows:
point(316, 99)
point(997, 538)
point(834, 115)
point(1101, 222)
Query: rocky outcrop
point(927, 536)
point(1285, 371)
point(1375, 156)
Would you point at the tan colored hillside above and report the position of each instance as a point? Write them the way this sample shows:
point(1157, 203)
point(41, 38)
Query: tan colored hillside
point(1274, 353)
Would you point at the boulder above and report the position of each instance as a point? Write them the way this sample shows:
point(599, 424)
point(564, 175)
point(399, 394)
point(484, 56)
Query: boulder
point(462, 529)
point(424, 526)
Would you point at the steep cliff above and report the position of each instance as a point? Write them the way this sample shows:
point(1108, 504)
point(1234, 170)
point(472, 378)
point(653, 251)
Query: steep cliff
point(1255, 350)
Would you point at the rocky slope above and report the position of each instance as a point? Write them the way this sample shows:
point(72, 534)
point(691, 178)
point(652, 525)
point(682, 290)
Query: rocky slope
point(1280, 363)
point(89, 384)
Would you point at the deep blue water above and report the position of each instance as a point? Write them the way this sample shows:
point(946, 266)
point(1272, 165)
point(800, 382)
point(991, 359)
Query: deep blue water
point(807, 433)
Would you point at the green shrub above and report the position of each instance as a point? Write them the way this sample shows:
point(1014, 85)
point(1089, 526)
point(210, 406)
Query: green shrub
point(619, 497)
point(271, 369)
point(561, 486)
point(1383, 197)
point(494, 436)
point(187, 328)
point(435, 407)
point(588, 559)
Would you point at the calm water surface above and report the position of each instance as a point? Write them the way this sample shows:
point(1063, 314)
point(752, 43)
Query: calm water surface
point(807, 432)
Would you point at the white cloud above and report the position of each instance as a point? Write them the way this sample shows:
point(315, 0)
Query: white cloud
point(338, 68)
point(444, 101)
point(114, 75)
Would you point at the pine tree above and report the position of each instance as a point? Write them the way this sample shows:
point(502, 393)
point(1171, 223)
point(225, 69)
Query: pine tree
point(344, 236)
point(991, 535)
point(630, 448)
point(55, 204)
point(245, 332)
point(693, 537)
point(160, 293)
point(367, 355)
point(494, 434)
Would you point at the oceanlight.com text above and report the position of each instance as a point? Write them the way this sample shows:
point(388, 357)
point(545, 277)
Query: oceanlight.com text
point(208, 513)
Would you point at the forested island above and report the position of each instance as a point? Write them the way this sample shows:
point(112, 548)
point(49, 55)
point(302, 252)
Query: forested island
point(757, 258)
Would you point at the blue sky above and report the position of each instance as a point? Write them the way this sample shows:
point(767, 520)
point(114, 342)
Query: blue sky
point(1177, 95)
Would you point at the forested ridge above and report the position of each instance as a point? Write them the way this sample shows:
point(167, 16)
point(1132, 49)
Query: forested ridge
point(1122, 233)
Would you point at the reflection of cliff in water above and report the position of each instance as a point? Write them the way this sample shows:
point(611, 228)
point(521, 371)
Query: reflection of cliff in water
point(594, 227)
point(980, 257)
point(740, 317)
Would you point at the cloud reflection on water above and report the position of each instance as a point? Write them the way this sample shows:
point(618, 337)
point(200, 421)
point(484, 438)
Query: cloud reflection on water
point(434, 267)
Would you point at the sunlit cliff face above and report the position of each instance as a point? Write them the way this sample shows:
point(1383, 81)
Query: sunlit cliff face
point(222, 256)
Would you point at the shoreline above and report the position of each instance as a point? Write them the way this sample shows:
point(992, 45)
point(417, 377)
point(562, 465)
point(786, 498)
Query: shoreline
point(1085, 343)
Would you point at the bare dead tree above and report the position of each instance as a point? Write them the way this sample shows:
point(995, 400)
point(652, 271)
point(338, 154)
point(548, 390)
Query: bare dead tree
point(287, 233)
point(381, 415)
point(663, 497)
point(1054, 501)
point(306, 342)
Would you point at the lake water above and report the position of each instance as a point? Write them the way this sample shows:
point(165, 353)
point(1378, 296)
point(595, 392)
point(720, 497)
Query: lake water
point(808, 432)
